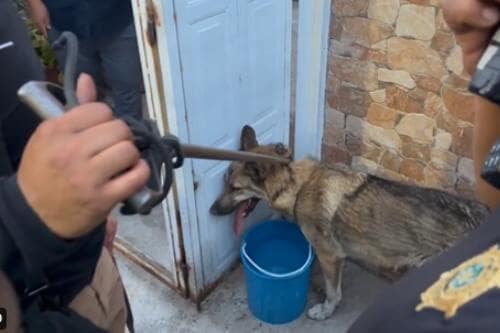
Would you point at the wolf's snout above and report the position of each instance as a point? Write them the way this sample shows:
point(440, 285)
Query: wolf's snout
point(214, 210)
point(219, 209)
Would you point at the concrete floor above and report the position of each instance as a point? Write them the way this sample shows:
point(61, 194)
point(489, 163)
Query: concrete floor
point(142, 231)
point(157, 308)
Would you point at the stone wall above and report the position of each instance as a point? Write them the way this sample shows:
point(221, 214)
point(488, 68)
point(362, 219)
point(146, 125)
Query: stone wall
point(397, 102)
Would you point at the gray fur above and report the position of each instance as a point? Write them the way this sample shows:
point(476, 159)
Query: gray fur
point(385, 226)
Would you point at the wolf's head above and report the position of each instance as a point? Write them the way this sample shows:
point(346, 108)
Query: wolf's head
point(247, 182)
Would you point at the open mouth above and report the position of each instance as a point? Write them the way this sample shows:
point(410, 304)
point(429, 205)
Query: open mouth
point(244, 209)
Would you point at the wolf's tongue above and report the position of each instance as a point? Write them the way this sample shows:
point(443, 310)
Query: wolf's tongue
point(239, 217)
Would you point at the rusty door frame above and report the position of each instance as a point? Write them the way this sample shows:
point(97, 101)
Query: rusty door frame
point(167, 46)
point(147, 22)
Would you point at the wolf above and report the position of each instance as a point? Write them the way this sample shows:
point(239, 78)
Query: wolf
point(385, 226)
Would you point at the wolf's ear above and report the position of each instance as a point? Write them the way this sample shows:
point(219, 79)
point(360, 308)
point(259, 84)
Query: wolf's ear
point(248, 138)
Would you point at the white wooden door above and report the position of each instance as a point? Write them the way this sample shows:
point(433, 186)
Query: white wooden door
point(234, 57)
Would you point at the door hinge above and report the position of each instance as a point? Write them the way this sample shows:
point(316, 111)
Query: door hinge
point(182, 267)
point(151, 23)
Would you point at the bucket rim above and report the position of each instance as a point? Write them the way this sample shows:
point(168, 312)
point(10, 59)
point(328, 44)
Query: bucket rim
point(280, 276)
point(267, 274)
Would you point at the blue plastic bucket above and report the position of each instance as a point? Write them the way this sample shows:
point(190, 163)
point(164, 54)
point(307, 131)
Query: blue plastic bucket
point(277, 261)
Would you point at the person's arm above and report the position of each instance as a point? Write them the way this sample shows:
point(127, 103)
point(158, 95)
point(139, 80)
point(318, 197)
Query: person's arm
point(36, 320)
point(58, 322)
point(474, 22)
point(74, 170)
point(34, 257)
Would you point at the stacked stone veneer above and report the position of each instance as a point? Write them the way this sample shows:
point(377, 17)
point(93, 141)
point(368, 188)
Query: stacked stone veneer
point(396, 101)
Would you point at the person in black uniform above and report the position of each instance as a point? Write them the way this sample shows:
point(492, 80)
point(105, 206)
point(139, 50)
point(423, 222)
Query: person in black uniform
point(26, 246)
point(458, 291)
point(73, 171)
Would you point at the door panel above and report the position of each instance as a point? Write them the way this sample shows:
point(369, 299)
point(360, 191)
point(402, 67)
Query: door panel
point(235, 58)
point(264, 63)
point(208, 64)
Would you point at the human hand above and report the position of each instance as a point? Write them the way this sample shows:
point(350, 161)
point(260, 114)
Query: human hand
point(77, 167)
point(40, 16)
point(473, 22)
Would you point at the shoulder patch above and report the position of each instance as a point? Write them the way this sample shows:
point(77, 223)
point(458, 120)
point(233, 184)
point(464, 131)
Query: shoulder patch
point(463, 284)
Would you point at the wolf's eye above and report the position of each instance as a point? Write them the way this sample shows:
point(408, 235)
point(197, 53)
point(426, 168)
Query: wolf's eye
point(235, 187)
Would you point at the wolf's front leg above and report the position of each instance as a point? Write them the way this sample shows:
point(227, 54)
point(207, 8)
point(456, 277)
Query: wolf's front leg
point(332, 273)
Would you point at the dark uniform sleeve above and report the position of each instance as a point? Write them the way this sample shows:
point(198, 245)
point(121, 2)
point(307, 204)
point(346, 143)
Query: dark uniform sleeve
point(38, 263)
point(395, 308)
point(58, 322)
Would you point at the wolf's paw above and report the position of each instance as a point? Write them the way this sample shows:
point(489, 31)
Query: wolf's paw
point(322, 311)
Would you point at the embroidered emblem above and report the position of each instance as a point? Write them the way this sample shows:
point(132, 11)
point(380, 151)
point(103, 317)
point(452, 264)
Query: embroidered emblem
point(463, 284)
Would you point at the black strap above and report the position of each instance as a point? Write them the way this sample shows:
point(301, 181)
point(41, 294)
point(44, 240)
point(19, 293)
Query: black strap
point(161, 154)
